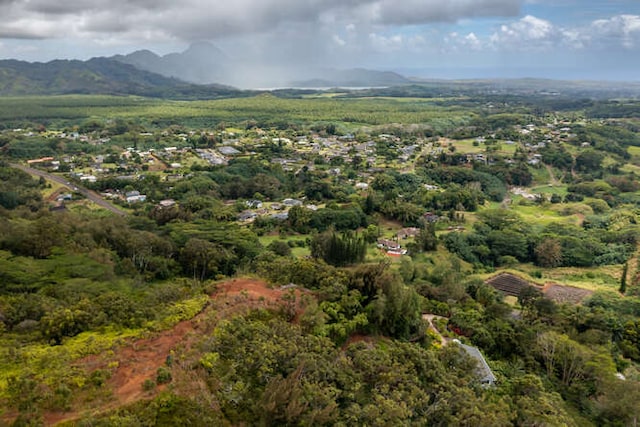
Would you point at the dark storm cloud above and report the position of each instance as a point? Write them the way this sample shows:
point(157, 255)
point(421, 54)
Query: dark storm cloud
point(421, 11)
point(191, 19)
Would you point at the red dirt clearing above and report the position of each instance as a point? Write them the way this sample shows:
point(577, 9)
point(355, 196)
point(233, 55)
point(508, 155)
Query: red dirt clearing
point(139, 360)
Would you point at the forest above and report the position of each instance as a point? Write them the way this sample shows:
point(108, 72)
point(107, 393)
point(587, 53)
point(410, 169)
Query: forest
point(320, 259)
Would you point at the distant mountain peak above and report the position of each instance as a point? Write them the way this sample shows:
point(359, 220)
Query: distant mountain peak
point(203, 47)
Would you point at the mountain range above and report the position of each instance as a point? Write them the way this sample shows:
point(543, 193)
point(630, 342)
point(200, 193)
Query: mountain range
point(97, 76)
point(197, 73)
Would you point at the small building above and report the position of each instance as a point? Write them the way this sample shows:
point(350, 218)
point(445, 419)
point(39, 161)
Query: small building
point(483, 371)
point(281, 216)
point(134, 197)
point(247, 216)
point(228, 151)
point(388, 245)
point(292, 202)
point(405, 233)
point(167, 203)
point(254, 204)
point(430, 217)
point(88, 178)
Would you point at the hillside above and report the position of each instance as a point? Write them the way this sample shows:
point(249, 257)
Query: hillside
point(96, 76)
point(319, 261)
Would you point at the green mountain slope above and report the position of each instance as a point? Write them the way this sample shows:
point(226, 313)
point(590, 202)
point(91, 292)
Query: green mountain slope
point(96, 76)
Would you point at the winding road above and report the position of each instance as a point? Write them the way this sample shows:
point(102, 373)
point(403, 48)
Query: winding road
point(91, 195)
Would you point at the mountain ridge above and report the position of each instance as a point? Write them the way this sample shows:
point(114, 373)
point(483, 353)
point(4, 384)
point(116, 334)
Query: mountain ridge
point(96, 76)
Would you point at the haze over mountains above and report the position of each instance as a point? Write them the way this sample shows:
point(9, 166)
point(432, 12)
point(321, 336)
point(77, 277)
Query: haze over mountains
point(204, 63)
point(204, 71)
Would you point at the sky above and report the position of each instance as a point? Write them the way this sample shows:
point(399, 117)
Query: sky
point(574, 39)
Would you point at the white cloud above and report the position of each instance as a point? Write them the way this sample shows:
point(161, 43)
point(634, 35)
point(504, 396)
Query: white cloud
point(621, 29)
point(531, 33)
point(527, 33)
point(338, 40)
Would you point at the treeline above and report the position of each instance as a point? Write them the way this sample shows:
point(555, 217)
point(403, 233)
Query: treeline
point(502, 238)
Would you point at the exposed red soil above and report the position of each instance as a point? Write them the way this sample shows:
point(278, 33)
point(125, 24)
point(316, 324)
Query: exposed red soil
point(139, 360)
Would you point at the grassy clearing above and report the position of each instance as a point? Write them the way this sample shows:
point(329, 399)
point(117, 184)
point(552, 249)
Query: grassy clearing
point(470, 146)
point(541, 216)
point(549, 189)
point(298, 252)
point(593, 279)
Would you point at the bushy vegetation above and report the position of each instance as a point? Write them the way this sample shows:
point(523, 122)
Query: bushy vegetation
point(370, 228)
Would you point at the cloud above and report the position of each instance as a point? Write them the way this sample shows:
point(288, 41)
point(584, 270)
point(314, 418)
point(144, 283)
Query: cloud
point(413, 12)
point(621, 29)
point(203, 19)
point(338, 40)
point(531, 33)
point(527, 33)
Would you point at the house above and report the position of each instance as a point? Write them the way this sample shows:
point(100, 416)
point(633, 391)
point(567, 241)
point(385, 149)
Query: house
point(362, 186)
point(44, 160)
point(134, 197)
point(247, 216)
point(483, 371)
point(430, 217)
point(166, 203)
point(255, 204)
point(291, 202)
point(408, 232)
point(389, 245)
point(282, 216)
point(228, 151)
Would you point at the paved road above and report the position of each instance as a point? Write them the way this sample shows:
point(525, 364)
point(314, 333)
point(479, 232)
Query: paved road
point(91, 195)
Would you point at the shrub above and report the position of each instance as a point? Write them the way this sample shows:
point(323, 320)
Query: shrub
point(163, 375)
point(148, 385)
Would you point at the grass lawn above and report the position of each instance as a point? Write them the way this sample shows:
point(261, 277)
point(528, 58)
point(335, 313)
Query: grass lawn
point(295, 251)
point(55, 187)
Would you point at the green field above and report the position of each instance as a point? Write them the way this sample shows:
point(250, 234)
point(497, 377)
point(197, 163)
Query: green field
point(262, 108)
